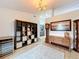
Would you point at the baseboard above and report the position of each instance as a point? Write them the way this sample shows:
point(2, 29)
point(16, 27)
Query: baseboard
point(60, 45)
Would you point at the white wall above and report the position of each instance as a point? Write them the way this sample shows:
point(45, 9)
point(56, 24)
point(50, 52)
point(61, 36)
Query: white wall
point(66, 8)
point(73, 15)
point(7, 18)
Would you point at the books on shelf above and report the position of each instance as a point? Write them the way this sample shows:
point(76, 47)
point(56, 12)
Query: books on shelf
point(32, 36)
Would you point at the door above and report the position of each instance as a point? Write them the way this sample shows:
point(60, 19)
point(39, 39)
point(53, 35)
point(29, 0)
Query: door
point(78, 36)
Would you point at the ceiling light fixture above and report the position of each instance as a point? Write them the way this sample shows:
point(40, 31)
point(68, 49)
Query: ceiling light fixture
point(41, 5)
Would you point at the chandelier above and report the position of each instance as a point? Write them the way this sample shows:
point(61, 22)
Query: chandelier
point(41, 5)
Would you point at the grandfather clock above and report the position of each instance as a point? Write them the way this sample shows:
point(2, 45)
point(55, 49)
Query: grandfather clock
point(47, 33)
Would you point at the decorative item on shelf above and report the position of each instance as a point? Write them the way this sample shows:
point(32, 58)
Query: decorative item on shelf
point(32, 36)
point(32, 29)
point(19, 45)
point(35, 40)
point(23, 33)
point(29, 41)
point(24, 38)
point(29, 33)
point(23, 28)
point(28, 29)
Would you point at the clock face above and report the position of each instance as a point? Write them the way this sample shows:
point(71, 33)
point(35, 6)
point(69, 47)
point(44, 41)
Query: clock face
point(47, 25)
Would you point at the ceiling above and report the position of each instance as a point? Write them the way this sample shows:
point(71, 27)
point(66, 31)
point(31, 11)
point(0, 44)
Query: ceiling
point(30, 6)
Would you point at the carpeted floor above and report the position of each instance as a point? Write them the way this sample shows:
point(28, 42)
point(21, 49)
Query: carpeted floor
point(41, 52)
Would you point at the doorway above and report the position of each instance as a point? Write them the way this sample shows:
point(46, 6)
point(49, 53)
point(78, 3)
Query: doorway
point(76, 35)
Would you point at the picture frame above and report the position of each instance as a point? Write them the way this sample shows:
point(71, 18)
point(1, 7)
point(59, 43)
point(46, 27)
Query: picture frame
point(64, 25)
point(42, 30)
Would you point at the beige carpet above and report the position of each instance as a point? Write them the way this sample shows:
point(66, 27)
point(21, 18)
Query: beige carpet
point(41, 52)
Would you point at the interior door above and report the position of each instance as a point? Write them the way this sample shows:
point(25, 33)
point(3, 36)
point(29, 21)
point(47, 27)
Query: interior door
point(78, 36)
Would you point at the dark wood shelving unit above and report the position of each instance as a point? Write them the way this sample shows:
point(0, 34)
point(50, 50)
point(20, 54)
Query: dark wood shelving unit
point(25, 33)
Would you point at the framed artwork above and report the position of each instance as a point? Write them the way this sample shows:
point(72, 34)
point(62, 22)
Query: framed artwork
point(41, 30)
point(64, 25)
